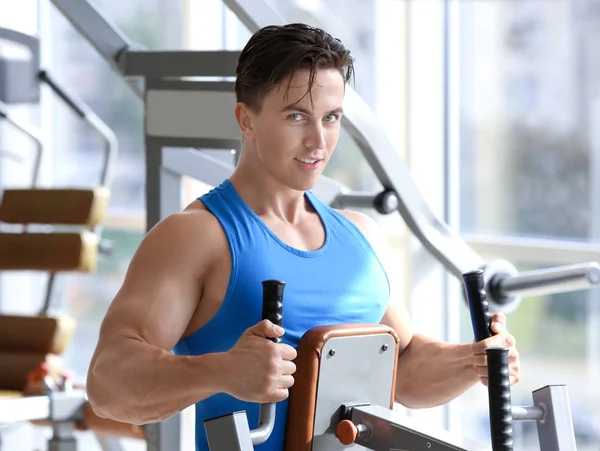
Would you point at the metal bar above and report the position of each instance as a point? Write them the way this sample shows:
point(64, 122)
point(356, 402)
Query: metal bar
point(229, 433)
point(11, 156)
point(85, 113)
point(593, 314)
point(549, 281)
point(528, 413)
point(355, 200)
point(227, 145)
point(362, 124)
point(387, 429)
point(180, 63)
point(109, 443)
point(556, 432)
point(163, 188)
point(266, 422)
point(50, 284)
point(165, 435)
point(197, 165)
point(32, 133)
point(96, 28)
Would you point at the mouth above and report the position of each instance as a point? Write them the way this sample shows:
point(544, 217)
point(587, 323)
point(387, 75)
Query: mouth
point(309, 163)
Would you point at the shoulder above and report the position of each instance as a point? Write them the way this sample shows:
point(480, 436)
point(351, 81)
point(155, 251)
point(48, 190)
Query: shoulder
point(368, 227)
point(195, 228)
point(187, 220)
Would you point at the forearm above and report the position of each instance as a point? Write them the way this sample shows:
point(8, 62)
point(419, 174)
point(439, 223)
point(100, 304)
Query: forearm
point(431, 373)
point(134, 382)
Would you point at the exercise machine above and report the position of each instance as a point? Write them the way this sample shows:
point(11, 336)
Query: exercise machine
point(344, 388)
point(184, 138)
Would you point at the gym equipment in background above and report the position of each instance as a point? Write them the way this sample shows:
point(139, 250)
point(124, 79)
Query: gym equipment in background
point(51, 230)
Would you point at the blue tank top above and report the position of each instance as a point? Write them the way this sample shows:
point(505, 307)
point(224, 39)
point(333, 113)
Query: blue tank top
point(342, 282)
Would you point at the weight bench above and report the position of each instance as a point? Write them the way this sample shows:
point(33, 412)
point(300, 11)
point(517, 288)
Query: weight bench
point(343, 394)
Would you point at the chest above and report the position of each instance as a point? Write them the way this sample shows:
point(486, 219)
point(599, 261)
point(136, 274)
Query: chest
point(343, 284)
point(307, 235)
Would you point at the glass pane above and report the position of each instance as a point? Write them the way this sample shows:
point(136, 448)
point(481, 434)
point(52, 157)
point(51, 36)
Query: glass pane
point(529, 162)
point(530, 96)
point(77, 151)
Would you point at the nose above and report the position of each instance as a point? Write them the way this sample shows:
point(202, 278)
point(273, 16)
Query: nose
point(315, 137)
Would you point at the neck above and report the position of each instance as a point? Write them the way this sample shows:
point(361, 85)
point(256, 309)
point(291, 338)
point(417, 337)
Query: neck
point(265, 195)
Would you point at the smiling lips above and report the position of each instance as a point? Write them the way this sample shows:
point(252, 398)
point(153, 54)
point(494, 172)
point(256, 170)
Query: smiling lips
point(309, 163)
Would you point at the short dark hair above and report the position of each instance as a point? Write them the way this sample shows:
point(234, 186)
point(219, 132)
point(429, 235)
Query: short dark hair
point(276, 52)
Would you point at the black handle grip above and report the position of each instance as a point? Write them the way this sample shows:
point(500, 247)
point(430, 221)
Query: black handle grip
point(478, 305)
point(500, 400)
point(272, 308)
point(497, 359)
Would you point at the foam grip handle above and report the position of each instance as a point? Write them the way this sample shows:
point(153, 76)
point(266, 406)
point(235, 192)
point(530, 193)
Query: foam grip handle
point(478, 305)
point(272, 308)
point(500, 400)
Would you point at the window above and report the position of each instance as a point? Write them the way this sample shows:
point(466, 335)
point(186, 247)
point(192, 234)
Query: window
point(528, 96)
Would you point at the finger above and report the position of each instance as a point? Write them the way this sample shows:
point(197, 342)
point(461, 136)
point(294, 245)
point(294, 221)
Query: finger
point(482, 371)
point(498, 327)
point(288, 368)
point(279, 395)
point(480, 360)
point(514, 376)
point(266, 329)
point(287, 352)
point(513, 356)
point(492, 342)
point(498, 318)
point(498, 323)
point(504, 340)
point(285, 381)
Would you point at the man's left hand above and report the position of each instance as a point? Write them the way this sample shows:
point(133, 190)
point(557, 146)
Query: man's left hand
point(502, 339)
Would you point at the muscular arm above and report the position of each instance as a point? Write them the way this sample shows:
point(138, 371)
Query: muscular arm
point(133, 377)
point(430, 372)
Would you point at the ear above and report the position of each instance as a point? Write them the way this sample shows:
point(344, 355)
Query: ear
point(244, 117)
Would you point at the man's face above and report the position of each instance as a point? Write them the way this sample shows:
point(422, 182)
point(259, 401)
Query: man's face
point(293, 138)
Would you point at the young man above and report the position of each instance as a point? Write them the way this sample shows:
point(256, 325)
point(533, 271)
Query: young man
point(185, 326)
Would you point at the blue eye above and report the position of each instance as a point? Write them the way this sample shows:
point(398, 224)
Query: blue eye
point(295, 116)
point(332, 118)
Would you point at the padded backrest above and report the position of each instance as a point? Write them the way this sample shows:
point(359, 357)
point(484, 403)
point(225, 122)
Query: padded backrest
point(85, 207)
point(51, 252)
point(303, 395)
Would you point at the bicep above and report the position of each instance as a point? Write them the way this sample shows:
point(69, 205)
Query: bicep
point(162, 286)
point(396, 317)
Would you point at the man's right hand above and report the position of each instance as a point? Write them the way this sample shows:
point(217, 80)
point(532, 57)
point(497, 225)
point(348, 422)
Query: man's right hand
point(257, 369)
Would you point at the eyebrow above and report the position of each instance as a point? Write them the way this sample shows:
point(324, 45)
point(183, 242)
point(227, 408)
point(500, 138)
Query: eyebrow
point(338, 110)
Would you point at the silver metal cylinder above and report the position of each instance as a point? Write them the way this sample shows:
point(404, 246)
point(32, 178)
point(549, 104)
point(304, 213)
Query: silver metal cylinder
point(552, 280)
